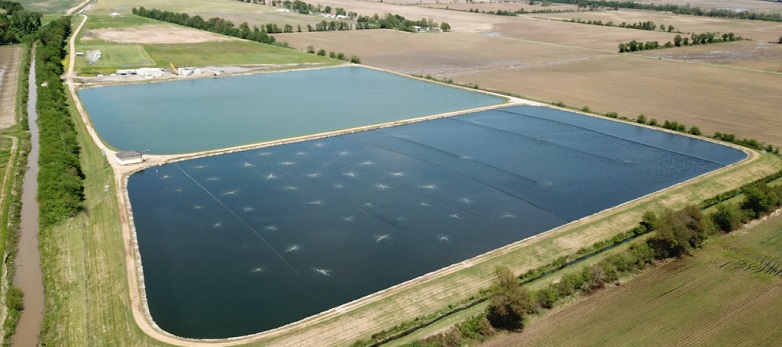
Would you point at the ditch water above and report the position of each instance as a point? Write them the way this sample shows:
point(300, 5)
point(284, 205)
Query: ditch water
point(203, 114)
point(29, 277)
point(241, 243)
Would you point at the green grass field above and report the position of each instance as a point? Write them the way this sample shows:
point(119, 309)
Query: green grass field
point(105, 21)
point(717, 297)
point(235, 52)
point(114, 56)
point(48, 6)
point(232, 53)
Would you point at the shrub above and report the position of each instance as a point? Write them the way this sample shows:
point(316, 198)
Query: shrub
point(727, 217)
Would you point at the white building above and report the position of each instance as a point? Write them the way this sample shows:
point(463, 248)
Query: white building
point(148, 72)
point(129, 157)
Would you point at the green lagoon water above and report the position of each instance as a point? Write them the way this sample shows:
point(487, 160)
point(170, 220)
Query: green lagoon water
point(203, 114)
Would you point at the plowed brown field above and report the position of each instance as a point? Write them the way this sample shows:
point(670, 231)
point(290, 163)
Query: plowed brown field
point(10, 58)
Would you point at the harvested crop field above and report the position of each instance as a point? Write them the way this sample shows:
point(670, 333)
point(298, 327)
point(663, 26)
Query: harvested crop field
point(710, 299)
point(751, 29)
point(744, 54)
point(760, 6)
point(152, 34)
point(494, 6)
point(10, 58)
point(714, 98)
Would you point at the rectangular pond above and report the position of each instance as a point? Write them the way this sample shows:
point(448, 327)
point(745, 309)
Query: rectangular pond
point(245, 242)
point(204, 114)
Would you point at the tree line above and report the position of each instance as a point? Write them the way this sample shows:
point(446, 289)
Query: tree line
point(344, 18)
point(646, 25)
point(513, 13)
point(16, 22)
point(693, 130)
point(679, 41)
point(60, 179)
point(214, 24)
point(675, 9)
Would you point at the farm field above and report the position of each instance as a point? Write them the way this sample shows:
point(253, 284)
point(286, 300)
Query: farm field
point(10, 58)
point(717, 297)
point(751, 5)
point(557, 65)
point(727, 99)
point(139, 42)
point(235, 11)
point(49, 6)
point(753, 55)
point(756, 30)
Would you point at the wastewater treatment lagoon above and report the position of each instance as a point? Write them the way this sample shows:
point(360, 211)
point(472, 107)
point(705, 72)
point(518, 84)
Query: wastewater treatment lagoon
point(205, 114)
point(241, 243)
point(245, 242)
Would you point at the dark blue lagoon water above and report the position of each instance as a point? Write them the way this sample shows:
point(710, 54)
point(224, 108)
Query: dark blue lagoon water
point(202, 114)
point(240, 243)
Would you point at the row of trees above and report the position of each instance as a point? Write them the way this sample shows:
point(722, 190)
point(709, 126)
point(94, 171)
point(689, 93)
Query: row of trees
point(303, 7)
point(676, 9)
point(513, 13)
point(215, 25)
point(395, 21)
point(344, 18)
point(746, 142)
point(16, 22)
point(341, 56)
point(694, 130)
point(60, 180)
point(647, 25)
point(679, 41)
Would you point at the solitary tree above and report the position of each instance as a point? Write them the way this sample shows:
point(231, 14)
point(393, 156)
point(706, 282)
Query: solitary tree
point(447, 27)
point(509, 303)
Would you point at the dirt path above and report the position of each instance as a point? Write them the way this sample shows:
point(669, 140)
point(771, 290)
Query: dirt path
point(73, 9)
